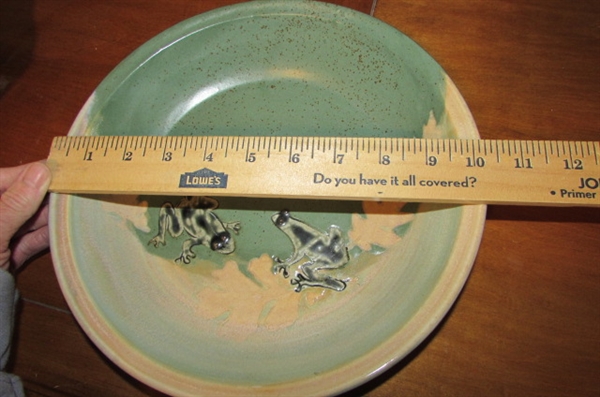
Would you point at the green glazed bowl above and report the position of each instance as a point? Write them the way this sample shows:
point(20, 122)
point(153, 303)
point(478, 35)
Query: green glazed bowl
point(226, 323)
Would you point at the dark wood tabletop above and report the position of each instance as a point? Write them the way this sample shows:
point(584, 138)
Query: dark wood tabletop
point(528, 320)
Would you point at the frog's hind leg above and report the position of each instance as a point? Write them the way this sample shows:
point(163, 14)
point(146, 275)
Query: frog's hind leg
point(310, 277)
point(302, 282)
point(167, 220)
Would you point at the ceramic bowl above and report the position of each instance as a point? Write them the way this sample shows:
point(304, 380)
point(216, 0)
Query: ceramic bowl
point(187, 317)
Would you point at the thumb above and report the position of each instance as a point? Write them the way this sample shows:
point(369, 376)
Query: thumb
point(21, 200)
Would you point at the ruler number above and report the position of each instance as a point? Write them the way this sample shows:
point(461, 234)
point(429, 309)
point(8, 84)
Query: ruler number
point(127, 156)
point(208, 157)
point(339, 158)
point(251, 157)
point(432, 161)
point(385, 159)
point(478, 162)
point(576, 164)
point(294, 158)
point(168, 156)
point(88, 156)
point(523, 163)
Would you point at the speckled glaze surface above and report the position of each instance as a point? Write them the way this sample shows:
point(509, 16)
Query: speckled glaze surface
point(222, 323)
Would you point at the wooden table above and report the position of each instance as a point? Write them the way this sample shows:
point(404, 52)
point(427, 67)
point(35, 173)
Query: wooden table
point(528, 321)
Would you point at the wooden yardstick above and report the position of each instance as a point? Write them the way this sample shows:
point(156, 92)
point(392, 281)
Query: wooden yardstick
point(401, 169)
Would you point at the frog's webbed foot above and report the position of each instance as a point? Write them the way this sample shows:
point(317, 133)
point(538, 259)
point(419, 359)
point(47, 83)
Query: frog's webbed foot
point(186, 252)
point(283, 269)
point(185, 257)
point(233, 226)
point(157, 240)
point(299, 281)
point(280, 267)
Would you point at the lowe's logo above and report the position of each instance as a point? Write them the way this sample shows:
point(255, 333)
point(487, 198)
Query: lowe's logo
point(203, 178)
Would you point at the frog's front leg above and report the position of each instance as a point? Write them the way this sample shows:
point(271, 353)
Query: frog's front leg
point(186, 251)
point(233, 226)
point(283, 266)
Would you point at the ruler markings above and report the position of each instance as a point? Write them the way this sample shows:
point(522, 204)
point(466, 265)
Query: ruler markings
point(269, 147)
point(145, 146)
point(124, 153)
point(204, 148)
point(335, 152)
point(570, 153)
point(247, 152)
point(521, 152)
point(164, 148)
point(497, 152)
point(107, 144)
point(85, 144)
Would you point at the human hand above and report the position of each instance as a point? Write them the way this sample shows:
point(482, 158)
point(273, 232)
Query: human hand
point(23, 213)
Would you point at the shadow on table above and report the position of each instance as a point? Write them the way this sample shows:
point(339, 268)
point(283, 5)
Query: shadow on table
point(544, 214)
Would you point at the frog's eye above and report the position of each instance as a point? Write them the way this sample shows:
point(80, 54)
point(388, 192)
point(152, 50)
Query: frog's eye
point(283, 218)
point(219, 241)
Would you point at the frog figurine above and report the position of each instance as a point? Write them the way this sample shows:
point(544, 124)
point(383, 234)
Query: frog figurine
point(195, 216)
point(323, 251)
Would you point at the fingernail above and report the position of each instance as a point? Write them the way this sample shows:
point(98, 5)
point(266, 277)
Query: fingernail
point(37, 176)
